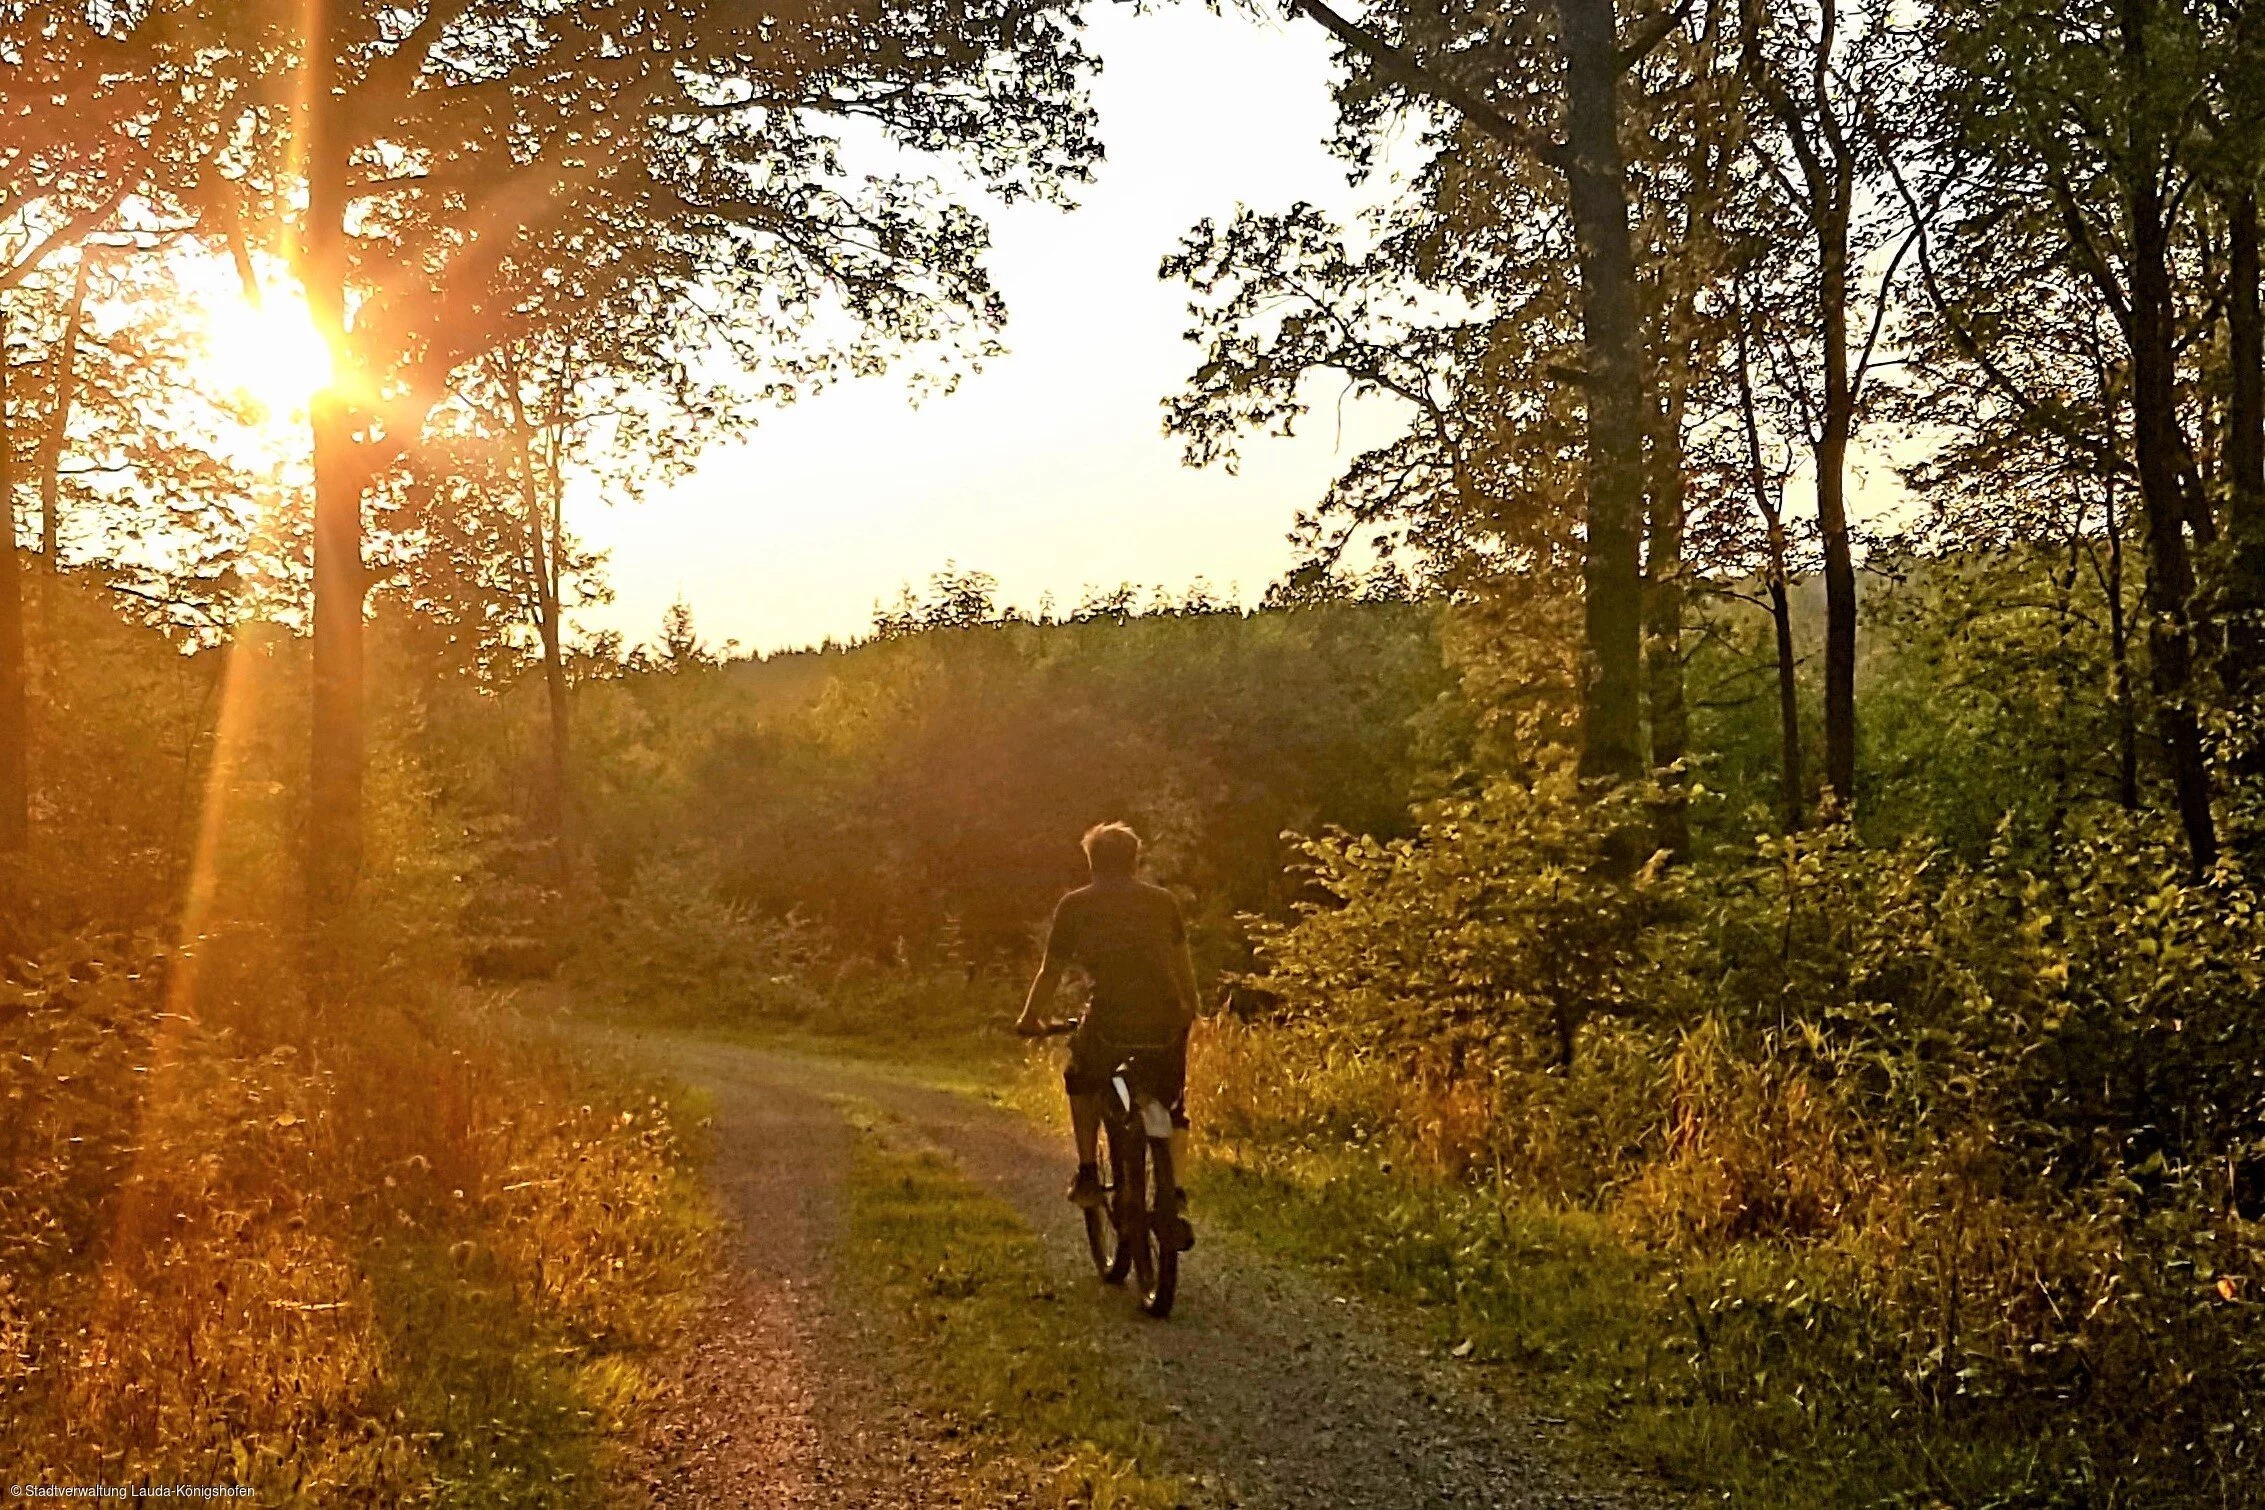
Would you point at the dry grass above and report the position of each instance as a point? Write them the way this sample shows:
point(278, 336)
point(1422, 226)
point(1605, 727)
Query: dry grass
point(410, 1255)
point(1750, 1149)
point(1710, 1260)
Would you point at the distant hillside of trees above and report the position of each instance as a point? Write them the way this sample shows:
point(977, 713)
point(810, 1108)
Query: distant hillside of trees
point(924, 790)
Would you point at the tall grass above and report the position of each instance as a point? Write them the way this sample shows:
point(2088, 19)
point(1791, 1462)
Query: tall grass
point(346, 1234)
point(1712, 1259)
point(414, 1248)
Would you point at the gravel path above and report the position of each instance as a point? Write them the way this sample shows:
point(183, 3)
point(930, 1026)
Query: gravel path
point(1288, 1396)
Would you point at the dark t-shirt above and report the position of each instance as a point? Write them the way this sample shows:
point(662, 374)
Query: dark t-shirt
point(1125, 934)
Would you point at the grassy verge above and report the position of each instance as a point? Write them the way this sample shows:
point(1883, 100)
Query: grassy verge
point(523, 1315)
point(987, 1339)
point(1732, 1376)
point(482, 1385)
point(419, 1257)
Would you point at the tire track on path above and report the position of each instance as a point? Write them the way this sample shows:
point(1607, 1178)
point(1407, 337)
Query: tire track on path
point(773, 1397)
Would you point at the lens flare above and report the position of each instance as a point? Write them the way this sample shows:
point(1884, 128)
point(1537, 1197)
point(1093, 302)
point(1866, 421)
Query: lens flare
point(269, 354)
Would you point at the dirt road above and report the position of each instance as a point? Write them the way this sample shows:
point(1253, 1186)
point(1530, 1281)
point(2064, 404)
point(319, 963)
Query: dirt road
point(1285, 1394)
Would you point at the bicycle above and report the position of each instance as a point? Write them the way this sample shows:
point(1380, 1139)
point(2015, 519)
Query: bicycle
point(1131, 1231)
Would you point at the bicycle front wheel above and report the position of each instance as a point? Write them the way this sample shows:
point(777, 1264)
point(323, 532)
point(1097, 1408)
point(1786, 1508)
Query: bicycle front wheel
point(1104, 1227)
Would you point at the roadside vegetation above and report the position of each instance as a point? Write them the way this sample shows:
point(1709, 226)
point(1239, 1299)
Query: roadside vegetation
point(1837, 1162)
point(385, 1246)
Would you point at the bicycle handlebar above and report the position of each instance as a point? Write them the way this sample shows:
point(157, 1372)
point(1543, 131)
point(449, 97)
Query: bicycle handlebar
point(1053, 1029)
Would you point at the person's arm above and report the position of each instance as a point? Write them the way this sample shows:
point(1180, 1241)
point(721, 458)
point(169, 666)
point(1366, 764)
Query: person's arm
point(1049, 978)
point(1183, 968)
point(1041, 992)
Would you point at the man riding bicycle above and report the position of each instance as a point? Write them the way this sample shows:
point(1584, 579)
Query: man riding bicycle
point(1129, 938)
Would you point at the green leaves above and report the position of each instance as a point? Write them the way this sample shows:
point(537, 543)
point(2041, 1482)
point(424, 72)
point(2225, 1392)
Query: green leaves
point(1492, 936)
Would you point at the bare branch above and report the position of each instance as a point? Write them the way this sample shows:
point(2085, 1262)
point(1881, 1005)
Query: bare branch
point(1396, 64)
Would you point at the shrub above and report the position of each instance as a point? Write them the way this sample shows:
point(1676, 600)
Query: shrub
point(1961, 1146)
point(681, 953)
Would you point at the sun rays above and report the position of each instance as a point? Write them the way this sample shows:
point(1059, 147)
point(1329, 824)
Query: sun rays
point(268, 354)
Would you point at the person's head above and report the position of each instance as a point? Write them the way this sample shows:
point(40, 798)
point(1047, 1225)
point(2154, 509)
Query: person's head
point(1112, 849)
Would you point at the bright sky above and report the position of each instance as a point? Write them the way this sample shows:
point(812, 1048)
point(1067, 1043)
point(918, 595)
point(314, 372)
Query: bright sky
point(1049, 469)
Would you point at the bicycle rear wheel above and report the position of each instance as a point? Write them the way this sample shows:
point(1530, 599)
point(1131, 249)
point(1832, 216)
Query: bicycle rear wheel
point(1104, 1231)
point(1160, 1277)
point(1136, 1233)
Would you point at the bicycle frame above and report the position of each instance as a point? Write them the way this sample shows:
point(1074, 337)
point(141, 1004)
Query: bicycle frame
point(1125, 1234)
point(1155, 1116)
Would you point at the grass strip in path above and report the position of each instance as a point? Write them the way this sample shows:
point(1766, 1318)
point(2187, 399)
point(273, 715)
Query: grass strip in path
point(992, 1342)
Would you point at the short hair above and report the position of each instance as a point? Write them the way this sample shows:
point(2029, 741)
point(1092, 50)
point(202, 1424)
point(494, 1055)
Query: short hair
point(1111, 849)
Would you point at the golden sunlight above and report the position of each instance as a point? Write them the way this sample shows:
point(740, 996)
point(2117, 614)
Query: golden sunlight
point(269, 353)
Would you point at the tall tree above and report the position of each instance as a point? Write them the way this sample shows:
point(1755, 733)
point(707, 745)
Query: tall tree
point(1547, 85)
point(2025, 384)
point(2087, 112)
point(450, 156)
point(63, 394)
point(1688, 174)
point(1827, 74)
point(1473, 485)
point(1765, 483)
point(2237, 177)
point(1596, 178)
point(111, 118)
point(619, 407)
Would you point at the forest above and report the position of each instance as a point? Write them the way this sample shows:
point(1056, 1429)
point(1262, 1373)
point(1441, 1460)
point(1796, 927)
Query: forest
point(1725, 872)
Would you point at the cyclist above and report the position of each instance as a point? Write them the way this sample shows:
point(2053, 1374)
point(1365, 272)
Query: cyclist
point(1129, 938)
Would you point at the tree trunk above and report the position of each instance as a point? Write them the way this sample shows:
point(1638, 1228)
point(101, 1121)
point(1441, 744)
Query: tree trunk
point(554, 657)
point(2065, 682)
point(543, 556)
point(554, 683)
point(2157, 448)
point(546, 553)
point(2245, 466)
point(2119, 662)
point(1829, 174)
point(1790, 775)
point(2245, 329)
point(1839, 423)
point(1664, 594)
point(15, 711)
point(61, 398)
point(1612, 572)
point(334, 818)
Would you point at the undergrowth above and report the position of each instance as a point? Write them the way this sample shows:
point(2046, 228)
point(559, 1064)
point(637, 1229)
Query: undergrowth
point(409, 1255)
point(673, 952)
point(1778, 1367)
point(1671, 1363)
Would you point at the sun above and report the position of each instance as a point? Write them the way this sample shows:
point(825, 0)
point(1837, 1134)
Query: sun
point(269, 354)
